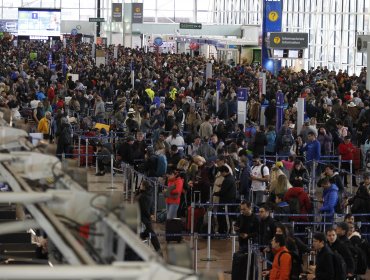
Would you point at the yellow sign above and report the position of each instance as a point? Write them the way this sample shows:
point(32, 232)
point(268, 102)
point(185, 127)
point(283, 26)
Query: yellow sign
point(137, 10)
point(273, 16)
point(277, 40)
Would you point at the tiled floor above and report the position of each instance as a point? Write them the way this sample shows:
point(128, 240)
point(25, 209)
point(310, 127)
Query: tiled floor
point(221, 250)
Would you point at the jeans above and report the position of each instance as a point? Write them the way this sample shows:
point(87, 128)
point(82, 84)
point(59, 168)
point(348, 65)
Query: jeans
point(172, 211)
point(258, 197)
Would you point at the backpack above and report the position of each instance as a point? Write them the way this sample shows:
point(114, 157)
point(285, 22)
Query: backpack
point(161, 165)
point(286, 142)
point(359, 258)
point(340, 266)
point(294, 206)
point(365, 247)
point(296, 268)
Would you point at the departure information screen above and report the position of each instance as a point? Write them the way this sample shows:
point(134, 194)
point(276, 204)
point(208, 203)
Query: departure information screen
point(39, 22)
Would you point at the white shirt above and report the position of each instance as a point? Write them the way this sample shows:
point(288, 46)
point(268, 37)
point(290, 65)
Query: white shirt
point(256, 172)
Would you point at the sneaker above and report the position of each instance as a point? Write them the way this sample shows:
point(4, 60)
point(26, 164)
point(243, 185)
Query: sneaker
point(100, 174)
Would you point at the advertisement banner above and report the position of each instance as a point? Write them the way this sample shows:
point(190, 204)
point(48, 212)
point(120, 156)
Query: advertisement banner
point(272, 21)
point(137, 13)
point(242, 94)
point(116, 12)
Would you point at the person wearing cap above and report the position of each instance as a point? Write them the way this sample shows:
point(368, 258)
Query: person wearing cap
point(346, 150)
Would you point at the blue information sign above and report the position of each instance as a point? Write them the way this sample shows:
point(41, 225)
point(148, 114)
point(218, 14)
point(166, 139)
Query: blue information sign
point(242, 94)
point(74, 32)
point(158, 41)
point(271, 22)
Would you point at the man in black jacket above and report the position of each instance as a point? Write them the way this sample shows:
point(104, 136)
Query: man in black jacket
point(145, 201)
point(246, 226)
point(267, 227)
point(227, 194)
point(125, 150)
point(324, 269)
point(336, 245)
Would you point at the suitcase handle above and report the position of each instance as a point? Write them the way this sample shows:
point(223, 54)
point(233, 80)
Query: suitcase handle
point(194, 195)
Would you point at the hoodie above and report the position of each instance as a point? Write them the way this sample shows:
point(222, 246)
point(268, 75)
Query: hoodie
point(330, 197)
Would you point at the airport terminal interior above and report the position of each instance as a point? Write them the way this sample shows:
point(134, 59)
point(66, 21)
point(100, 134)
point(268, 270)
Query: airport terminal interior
point(197, 139)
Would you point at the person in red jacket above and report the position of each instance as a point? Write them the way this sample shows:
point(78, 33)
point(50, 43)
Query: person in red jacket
point(282, 263)
point(304, 203)
point(173, 193)
point(346, 150)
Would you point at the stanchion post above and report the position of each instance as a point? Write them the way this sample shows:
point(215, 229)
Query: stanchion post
point(155, 200)
point(192, 208)
point(149, 238)
point(208, 259)
point(125, 181)
point(133, 186)
point(350, 175)
point(87, 153)
point(249, 260)
point(63, 159)
point(112, 187)
point(79, 151)
point(233, 240)
point(96, 164)
point(196, 252)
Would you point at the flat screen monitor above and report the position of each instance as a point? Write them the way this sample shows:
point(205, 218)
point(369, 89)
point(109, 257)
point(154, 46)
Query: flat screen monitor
point(278, 53)
point(39, 22)
point(293, 53)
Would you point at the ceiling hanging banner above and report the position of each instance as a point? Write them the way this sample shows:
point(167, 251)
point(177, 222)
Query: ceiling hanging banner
point(116, 12)
point(137, 12)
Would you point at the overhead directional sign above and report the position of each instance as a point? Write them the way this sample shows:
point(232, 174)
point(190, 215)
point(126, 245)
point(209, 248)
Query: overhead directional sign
point(96, 19)
point(288, 40)
point(189, 25)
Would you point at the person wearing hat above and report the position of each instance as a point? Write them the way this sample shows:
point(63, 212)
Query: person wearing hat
point(131, 123)
point(353, 110)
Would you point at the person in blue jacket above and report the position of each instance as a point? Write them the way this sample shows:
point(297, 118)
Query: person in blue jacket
point(313, 151)
point(330, 198)
point(312, 148)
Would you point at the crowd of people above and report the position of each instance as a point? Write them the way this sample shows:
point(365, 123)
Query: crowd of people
point(168, 126)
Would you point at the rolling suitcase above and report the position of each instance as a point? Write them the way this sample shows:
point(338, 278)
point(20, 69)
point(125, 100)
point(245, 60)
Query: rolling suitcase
point(174, 226)
point(199, 213)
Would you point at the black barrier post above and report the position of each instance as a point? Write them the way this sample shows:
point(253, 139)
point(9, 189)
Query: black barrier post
point(79, 151)
point(87, 153)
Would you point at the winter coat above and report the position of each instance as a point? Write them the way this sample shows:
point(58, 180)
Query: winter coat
point(325, 269)
point(304, 202)
point(174, 190)
point(282, 271)
point(313, 150)
point(330, 197)
point(296, 173)
point(360, 203)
